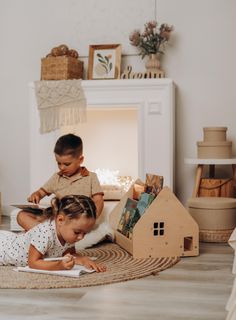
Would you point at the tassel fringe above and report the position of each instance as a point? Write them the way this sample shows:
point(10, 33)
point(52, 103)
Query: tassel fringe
point(60, 103)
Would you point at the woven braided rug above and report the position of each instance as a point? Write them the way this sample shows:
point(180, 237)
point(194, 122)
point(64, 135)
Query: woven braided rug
point(120, 267)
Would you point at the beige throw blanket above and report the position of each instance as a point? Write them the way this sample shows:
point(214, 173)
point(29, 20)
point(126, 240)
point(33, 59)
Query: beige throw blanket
point(60, 103)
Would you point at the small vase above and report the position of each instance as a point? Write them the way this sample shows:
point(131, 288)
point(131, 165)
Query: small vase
point(153, 63)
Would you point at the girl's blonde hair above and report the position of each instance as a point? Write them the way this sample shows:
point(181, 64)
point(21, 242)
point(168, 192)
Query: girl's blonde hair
point(73, 206)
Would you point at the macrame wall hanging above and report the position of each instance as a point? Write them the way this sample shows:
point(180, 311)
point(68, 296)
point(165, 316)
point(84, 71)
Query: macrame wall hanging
point(60, 103)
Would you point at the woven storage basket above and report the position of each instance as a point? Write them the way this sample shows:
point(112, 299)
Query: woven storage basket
point(216, 188)
point(215, 235)
point(215, 216)
point(61, 68)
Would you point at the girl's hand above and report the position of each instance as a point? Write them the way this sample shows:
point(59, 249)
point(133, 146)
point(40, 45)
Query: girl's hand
point(68, 262)
point(90, 264)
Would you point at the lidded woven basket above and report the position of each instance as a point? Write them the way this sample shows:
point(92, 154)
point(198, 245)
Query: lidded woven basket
point(61, 68)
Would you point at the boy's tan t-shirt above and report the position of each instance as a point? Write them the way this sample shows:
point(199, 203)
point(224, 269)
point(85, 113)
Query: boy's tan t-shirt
point(84, 183)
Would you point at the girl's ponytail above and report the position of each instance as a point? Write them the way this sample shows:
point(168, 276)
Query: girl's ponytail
point(52, 211)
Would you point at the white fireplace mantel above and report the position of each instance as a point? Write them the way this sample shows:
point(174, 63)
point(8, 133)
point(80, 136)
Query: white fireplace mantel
point(154, 101)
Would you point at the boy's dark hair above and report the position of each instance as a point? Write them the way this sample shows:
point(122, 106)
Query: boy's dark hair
point(69, 144)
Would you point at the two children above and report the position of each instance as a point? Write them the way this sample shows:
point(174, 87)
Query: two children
point(72, 178)
point(68, 220)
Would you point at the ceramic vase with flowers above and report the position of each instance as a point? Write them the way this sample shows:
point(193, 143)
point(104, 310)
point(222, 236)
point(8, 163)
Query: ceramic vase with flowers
point(151, 43)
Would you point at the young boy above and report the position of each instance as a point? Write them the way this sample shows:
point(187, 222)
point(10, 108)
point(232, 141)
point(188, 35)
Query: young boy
point(72, 179)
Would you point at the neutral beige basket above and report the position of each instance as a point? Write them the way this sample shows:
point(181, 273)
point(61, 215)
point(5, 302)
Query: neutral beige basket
point(215, 216)
point(215, 235)
point(61, 68)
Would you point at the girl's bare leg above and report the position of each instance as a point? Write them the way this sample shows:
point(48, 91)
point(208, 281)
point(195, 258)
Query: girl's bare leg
point(28, 220)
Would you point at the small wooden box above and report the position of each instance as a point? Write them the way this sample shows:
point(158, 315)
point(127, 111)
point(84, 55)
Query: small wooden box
point(214, 134)
point(179, 236)
point(214, 150)
point(61, 68)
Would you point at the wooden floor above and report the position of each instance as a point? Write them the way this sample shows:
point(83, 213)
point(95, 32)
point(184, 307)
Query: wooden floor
point(194, 289)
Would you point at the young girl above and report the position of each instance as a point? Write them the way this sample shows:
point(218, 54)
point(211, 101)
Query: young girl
point(69, 219)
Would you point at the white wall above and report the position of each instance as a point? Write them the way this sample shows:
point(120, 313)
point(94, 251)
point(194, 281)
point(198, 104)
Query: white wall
point(200, 59)
point(202, 63)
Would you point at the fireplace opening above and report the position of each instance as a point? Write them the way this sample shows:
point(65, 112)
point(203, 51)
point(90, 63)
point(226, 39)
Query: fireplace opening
point(110, 138)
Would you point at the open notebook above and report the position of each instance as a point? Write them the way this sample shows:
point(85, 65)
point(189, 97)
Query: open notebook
point(32, 208)
point(75, 272)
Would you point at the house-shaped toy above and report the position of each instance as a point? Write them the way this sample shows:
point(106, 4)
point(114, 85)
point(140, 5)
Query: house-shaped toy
point(166, 229)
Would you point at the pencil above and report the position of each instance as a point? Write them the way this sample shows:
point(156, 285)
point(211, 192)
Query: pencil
point(62, 258)
point(54, 259)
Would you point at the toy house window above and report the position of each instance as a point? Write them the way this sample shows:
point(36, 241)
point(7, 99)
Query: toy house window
point(158, 228)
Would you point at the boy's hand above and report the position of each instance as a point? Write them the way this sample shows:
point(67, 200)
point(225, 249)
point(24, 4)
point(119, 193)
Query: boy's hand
point(88, 263)
point(36, 196)
point(68, 262)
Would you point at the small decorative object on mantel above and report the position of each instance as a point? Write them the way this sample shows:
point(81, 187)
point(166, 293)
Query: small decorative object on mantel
point(152, 43)
point(61, 63)
point(104, 61)
point(128, 74)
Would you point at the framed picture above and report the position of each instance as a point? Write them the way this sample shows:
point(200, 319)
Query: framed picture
point(104, 61)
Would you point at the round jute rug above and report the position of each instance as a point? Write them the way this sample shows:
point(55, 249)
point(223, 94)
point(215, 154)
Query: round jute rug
point(120, 267)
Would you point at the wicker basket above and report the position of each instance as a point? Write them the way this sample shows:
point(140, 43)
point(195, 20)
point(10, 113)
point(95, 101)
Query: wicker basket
point(215, 235)
point(61, 68)
point(216, 188)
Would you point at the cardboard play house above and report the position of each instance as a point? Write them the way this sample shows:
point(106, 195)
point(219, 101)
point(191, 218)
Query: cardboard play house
point(166, 229)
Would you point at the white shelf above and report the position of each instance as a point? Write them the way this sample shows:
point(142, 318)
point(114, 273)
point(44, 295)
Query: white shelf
point(210, 161)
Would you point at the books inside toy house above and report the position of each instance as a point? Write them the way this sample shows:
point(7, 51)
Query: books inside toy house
point(143, 195)
point(128, 215)
point(154, 184)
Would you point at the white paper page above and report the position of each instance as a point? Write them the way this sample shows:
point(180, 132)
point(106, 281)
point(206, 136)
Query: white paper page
point(75, 272)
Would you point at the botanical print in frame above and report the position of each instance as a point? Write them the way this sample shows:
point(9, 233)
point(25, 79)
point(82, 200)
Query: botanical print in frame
point(104, 61)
